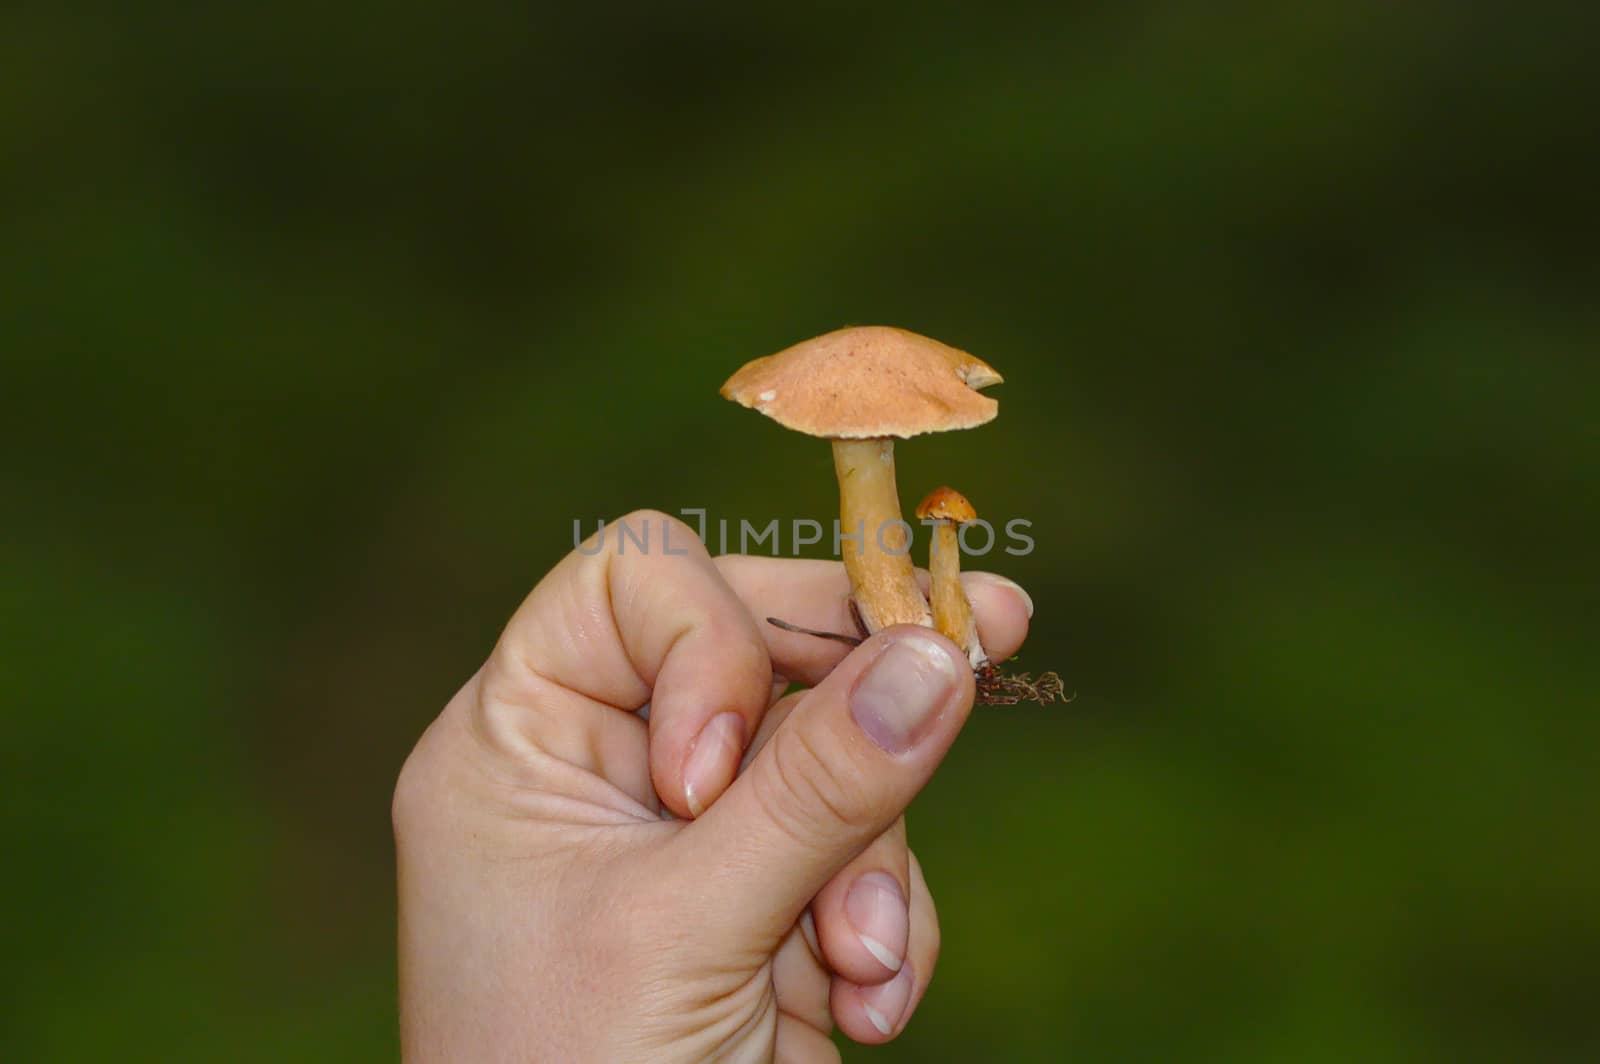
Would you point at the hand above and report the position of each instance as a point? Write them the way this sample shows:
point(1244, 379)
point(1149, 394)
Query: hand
point(549, 909)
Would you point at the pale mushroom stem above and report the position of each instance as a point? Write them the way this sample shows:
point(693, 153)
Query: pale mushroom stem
point(878, 559)
point(952, 612)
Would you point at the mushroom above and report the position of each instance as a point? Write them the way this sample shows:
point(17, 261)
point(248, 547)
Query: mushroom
point(863, 388)
point(947, 509)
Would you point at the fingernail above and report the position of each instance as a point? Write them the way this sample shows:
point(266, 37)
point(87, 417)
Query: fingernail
point(711, 763)
point(997, 580)
point(902, 691)
point(877, 911)
point(886, 1004)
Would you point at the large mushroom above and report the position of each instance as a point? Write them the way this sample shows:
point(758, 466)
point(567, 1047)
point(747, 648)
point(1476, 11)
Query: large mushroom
point(863, 388)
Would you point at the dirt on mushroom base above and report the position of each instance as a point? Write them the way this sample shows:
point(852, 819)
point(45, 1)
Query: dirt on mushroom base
point(995, 688)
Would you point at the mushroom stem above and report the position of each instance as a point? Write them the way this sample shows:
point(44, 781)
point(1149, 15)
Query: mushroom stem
point(875, 540)
point(952, 612)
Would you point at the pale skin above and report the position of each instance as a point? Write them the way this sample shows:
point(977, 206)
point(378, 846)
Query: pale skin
point(549, 911)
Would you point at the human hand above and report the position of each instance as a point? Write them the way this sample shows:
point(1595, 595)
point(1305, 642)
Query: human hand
point(549, 911)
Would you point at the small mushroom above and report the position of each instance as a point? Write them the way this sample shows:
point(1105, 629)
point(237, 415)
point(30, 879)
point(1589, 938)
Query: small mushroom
point(863, 388)
point(947, 510)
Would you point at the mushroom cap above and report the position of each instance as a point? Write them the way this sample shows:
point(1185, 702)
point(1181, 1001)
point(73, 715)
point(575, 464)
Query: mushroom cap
point(866, 382)
point(946, 504)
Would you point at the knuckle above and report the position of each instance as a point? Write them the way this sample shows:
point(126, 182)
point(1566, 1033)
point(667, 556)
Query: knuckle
point(643, 518)
point(642, 532)
point(652, 531)
point(805, 796)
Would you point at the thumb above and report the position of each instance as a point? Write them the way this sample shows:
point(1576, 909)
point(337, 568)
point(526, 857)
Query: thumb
point(838, 771)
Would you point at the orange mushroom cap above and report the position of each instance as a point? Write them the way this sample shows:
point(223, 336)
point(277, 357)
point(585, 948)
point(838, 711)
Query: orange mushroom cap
point(946, 504)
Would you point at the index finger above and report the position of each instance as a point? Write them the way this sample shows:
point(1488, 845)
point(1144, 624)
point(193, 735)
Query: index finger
point(815, 594)
point(637, 613)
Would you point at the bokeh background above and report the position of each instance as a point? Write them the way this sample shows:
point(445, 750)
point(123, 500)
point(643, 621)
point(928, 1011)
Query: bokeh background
point(320, 323)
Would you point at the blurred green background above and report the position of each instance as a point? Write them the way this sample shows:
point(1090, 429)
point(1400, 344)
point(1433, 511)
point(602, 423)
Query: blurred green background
point(321, 323)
